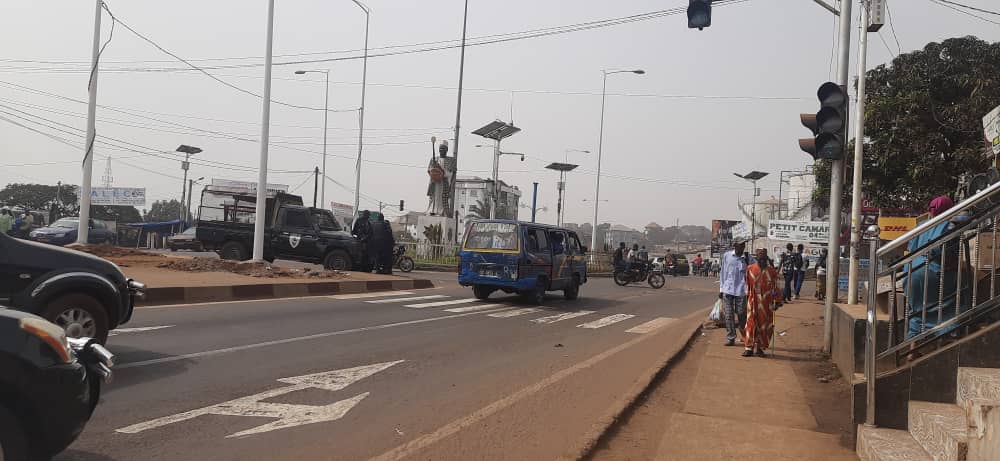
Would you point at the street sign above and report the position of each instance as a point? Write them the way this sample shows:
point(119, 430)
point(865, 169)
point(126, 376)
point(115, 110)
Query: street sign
point(249, 186)
point(798, 231)
point(129, 196)
point(991, 126)
point(287, 414)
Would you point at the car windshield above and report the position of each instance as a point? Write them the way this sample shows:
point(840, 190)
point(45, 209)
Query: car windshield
point(492, 236)
point(66, 223)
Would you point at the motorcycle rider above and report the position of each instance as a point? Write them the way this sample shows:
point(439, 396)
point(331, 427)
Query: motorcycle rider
point(620, 254)
point(633, 258)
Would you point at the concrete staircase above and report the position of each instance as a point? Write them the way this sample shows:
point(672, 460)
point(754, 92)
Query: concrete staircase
point(969, 429)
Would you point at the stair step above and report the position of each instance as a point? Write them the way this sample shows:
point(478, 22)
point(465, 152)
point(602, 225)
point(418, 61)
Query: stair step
point(979, 385)
point(942, 429)
point(880, 444)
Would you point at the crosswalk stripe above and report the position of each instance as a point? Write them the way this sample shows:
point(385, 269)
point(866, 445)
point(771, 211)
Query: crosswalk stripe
point(441, 303)
point(651, 325)
point(561, 317)
point(603, 322)
point(371, 295)
point(474, 308)
point(515, 312)
point(411, 298)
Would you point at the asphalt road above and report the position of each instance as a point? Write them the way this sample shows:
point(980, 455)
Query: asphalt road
point(391, 375)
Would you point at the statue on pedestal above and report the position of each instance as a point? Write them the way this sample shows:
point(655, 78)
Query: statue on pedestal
point(441, 171)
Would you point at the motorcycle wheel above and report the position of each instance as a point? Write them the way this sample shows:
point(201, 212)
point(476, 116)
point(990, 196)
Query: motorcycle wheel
point(406, 264)
point(657, 280)
point(620, 279)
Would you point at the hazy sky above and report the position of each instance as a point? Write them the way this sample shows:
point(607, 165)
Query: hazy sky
point(671, 143)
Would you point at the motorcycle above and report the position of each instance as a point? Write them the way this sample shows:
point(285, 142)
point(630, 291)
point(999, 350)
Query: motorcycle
point(400, 260)
point(644, 273)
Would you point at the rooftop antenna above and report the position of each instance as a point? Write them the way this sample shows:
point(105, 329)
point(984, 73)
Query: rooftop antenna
point(107, 179)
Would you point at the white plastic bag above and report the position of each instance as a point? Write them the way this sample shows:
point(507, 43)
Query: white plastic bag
point(717, 315)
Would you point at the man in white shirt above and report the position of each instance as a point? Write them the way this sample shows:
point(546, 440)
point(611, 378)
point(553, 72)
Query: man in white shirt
point(733, 289)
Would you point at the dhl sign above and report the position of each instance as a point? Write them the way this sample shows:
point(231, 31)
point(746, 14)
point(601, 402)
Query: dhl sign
point(894, 227)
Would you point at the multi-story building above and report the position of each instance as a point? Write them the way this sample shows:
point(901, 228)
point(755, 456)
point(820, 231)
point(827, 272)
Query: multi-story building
point(619, 233)
point(472, 200)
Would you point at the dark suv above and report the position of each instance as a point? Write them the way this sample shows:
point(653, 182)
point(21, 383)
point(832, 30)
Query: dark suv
point(85, 295)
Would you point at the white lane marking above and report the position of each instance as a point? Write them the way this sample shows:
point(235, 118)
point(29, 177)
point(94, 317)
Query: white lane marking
point(561, 317)
point(475, 308)
point(375, 294)
point(603, 322)
point(136, 329)
point(276, 342)
point(651, 325)
point(289, 415)
point(410, 298)
point(442, 303)
point(515, 312)
point(266, 300)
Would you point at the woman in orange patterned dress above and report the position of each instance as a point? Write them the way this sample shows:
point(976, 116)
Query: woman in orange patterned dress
point(763, 297)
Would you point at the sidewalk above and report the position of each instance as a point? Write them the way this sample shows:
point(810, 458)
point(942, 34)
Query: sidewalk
point(715, 404)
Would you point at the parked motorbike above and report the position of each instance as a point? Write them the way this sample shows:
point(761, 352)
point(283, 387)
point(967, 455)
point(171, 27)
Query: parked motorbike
point(400, 260)
point(644, 273)
point(51, 385)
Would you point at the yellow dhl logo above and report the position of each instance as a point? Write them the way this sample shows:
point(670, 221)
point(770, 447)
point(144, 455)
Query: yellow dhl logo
point(895, 228)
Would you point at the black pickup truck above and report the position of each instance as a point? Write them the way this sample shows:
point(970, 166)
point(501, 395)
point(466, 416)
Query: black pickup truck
point(292, 231)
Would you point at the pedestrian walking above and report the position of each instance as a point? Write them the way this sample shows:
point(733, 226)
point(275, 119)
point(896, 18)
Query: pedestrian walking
point(821, 274)
point(6, 221)
point(800, 263)
point(733, 290)
point(788, 271)
point(385, 246)
point(762, 300)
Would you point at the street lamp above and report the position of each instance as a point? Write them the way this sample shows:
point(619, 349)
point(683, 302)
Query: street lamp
point(361, 113)
point(600, 145)
point(188, 151)
point(561, 206)
point(191, 183)
point(326, 117)
point(753, 177)
point(497, 153)
point(497, 131)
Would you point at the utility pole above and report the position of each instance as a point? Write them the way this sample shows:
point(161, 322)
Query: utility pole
point(265, 132)
point(859, 156)
point(534, 202)
point(458, 107)
point(315, 185)
point(83, 231)
point(836, 185)
point(189, 192)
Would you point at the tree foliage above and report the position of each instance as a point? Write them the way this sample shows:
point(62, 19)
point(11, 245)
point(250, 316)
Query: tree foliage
point(163, 210)
point(119, 213)
point(923, 123)
point(41, 197)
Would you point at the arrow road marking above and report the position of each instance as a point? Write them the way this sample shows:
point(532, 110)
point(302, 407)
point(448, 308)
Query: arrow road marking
point(561, 317)
point(288, 415)
point(136, 330)
point(603, 322)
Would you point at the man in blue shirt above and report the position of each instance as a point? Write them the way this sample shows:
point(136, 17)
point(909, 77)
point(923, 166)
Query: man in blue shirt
point(733, 289)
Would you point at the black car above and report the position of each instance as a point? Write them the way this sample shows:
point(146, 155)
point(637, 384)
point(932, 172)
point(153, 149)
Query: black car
point(64, 232)
point(48, 386)
point(86, 295)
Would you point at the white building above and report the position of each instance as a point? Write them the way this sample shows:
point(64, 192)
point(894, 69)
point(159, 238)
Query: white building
point(472, 198)
point(619, 233)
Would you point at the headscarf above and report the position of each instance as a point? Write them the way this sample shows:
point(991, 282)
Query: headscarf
point(940, 205)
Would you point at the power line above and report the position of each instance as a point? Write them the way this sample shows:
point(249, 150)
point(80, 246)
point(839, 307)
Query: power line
point(892, 28)
point(973, 8)
point(967, 13)
point(891, 53)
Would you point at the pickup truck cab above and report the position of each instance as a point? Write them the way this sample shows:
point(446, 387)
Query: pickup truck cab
point(522, 257)
point(85, 295)
point(291, 231)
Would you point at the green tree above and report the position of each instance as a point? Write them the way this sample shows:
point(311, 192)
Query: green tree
point(163, 210)
point(923, 123)
point(481, 209)
point(119, 213)
point(41, 197)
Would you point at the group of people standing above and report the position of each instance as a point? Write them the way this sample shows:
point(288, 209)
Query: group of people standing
point(748, 287)
point(793, 267)
point(17, 226)
point(378, 242)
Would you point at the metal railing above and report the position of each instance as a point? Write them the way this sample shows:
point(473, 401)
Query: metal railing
point(939, 277)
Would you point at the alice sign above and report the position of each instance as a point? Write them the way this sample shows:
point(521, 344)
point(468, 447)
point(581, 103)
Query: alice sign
point(133, 196)
point(798, 231)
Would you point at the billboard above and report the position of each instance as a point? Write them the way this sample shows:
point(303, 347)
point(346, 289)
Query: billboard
point(130, 196)
point(722, 236)
point(798, 231)
point(249, 186)
point(991, 127)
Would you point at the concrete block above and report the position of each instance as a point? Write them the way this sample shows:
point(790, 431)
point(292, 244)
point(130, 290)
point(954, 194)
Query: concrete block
point(941, 429)
point(880, 444)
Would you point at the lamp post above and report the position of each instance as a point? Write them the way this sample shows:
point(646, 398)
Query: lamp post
point(496, 174)
point(753, 177)
point(191, 183)
point(326, 118)
point(497, 131)
point(561, 206)
point(600, 146)
point(188, 151)
point(265, 133)
point(361, 113)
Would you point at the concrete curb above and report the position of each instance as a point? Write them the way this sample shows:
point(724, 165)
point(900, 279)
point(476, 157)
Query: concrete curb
point(627, 401)
point(186, 295)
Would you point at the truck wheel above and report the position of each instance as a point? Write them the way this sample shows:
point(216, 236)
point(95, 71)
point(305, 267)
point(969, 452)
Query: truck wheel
point(13, 442)
point(234, 251)
point(81, 316)
point(337, 260)
point(481, 291)
point(573, 290)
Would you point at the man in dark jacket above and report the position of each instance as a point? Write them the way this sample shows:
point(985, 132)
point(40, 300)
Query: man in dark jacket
point(363, 231)
point(381, 245)
point(619, 257)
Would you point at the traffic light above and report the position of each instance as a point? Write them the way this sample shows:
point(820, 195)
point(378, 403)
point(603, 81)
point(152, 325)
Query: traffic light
point(699, 14)
point(400, 205)
point(828, 125)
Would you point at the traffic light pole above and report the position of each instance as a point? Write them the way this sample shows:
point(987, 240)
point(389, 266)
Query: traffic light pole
point(836, 185)
point(859, 136)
